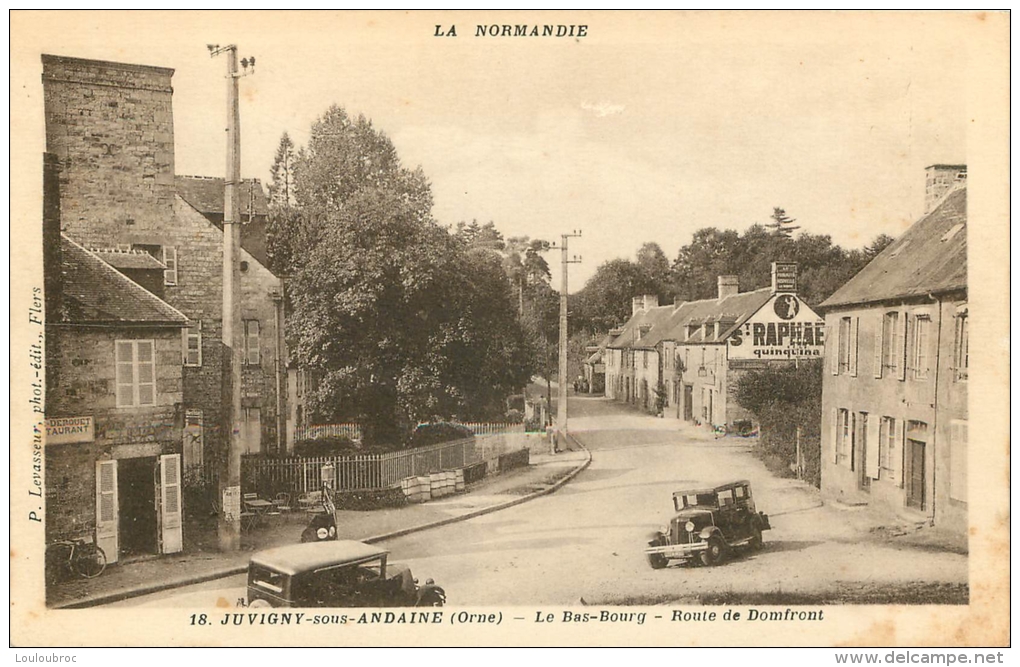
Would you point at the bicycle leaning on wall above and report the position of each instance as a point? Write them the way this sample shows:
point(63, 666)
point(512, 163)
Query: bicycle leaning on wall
point(81, 557)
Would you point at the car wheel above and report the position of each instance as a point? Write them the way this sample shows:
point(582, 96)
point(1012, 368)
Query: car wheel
point(657, 561)
point(714, 553)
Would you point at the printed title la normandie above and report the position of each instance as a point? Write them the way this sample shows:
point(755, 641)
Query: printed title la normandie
point(518, 30)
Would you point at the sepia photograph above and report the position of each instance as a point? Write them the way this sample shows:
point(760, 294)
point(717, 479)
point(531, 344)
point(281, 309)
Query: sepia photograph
point(523, 328)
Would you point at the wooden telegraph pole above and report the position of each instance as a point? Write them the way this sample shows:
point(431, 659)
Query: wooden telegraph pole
point(561, 404)
point(229, 525)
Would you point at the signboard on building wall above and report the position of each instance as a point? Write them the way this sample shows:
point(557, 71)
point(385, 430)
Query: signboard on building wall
point(784, 277)
point(784, 328)
point(66, 430)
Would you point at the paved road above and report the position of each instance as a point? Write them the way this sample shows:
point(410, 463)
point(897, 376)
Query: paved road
point(584, 543)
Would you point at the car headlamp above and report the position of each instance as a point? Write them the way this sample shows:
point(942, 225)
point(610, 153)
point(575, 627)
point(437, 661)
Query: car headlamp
point(664, 530)
point(322, 533)
point(689, 526)
point(332, 531)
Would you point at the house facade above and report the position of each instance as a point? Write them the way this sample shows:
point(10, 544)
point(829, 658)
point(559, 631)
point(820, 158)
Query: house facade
point(687, 359)
point(113, 422)
point(111, 126)
point(894, 431)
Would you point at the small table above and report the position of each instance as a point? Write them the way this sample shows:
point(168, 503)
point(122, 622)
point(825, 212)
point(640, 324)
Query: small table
point(258, 508)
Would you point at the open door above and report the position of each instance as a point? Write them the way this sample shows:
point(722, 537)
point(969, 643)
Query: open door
point(171, 537)
point(107, 510)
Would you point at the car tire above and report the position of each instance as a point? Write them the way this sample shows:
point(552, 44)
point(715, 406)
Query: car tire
point(657, 561)
point(714, 553)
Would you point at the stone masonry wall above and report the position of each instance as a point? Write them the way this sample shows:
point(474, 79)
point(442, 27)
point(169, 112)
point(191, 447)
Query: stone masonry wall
point(112, 127)
point(85, 386)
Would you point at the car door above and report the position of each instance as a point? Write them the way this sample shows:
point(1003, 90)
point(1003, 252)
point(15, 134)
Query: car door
point(726, 518)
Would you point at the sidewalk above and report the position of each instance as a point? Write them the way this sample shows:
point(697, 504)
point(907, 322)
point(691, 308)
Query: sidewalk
point(202, 562)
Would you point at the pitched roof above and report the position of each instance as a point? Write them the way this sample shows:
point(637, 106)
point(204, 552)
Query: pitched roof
point(650, 317)
point(929, 258)
point(205, 193)
point(93, 292)
point(731, 310)
point(127, 259)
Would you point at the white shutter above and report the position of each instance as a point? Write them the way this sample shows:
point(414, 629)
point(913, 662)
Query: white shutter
point(833, 346)
point(896, 457)
point(958, 460)
point(171, 535)
point(901, 350)
point(872, 443)
point(878, 345)
point(107, 510)
point(855, 328)
point(836, 428)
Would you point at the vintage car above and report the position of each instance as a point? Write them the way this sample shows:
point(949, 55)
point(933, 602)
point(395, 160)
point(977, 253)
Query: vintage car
point(708, 523)
point(335, 573)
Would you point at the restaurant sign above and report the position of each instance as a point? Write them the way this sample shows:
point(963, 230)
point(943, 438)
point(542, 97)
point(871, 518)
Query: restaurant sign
point(784, 328)
point(66, 430)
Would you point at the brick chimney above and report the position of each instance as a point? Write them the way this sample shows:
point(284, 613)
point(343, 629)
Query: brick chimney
point(728, 286)
point(940, 179)
point(642, 303)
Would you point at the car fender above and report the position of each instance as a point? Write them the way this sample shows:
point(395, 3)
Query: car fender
point(709, 531)
point(763, 520)
point(657, 539)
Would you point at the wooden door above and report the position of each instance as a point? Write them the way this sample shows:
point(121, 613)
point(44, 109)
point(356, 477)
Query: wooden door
point(915, 482)
point(863, 454)
point(688, 403)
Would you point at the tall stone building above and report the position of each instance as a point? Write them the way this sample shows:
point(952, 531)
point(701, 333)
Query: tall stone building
point(111, 127)
point(113, 395)
point(894, 396)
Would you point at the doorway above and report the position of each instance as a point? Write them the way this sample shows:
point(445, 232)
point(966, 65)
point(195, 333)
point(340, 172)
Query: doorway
point(688, 402)
point(136, 489)
point(860, 446)
point(915, 481)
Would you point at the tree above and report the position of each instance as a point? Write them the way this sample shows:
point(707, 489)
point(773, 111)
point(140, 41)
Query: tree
point(880, 243)
point(782, 224)
point(605, 300)
point(784, 399)
point(369, 302)
point(345, 155)
point(400, 320)
point(282, 174)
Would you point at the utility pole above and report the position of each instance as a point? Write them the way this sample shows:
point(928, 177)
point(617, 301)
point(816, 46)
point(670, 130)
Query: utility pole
point(229, 524)
point(561, 404)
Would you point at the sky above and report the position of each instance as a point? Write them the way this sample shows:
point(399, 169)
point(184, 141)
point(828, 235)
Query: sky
point(650, 127)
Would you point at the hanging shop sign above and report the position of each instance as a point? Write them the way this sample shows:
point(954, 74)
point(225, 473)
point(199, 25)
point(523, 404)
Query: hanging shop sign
point(784, 328)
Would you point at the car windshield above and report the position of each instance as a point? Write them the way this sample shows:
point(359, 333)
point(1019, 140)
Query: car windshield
point(699, 500)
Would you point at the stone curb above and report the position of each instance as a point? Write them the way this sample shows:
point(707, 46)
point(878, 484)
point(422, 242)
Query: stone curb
point(124, 594)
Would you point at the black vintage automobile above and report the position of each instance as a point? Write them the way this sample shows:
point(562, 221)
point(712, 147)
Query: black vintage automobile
point(335, 573)
point(708, 523)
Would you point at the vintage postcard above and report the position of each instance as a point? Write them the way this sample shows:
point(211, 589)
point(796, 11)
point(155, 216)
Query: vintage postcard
point(509, 328)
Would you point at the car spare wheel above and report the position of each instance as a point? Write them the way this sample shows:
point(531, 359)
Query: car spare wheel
point(714, 552)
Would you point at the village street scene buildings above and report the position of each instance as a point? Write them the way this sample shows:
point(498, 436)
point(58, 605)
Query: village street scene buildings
point(390, 359)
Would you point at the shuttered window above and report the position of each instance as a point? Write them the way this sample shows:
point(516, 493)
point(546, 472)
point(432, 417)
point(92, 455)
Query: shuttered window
point(193, 345)
point(135, 373)
point(921, 343)
point(961, 350)
point(170, 262)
